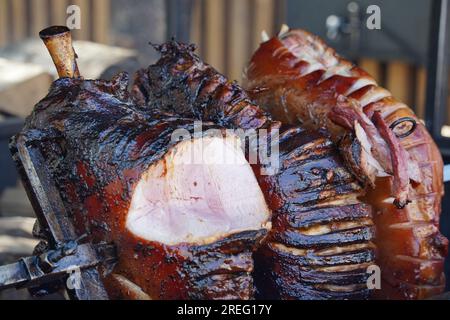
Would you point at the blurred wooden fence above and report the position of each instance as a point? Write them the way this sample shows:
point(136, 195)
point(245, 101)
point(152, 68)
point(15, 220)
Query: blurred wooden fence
point(226, 32)
point(20, 19)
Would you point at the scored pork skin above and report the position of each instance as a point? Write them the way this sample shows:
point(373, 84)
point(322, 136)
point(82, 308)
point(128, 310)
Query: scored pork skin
point(320, 245)
point(298, 78)
point(99, 147)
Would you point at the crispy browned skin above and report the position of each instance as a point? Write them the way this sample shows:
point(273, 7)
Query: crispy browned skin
point(292, 89)
point(320, 245)
point(97, 144)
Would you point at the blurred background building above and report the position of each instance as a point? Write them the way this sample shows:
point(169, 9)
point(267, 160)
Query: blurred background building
point(115, 36)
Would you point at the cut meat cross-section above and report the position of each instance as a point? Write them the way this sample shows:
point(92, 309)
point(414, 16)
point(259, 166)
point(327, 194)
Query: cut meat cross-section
point(179, 201)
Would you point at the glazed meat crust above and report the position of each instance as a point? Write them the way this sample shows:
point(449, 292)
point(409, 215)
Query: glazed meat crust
point(299, 79)
point(320, 245)
point(98, 144)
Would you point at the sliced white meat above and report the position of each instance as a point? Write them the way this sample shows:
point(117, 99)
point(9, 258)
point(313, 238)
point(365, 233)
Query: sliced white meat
point(202, 190)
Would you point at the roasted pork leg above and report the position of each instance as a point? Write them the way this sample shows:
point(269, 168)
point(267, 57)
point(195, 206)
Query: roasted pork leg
point(321, 243)
point(299, 79)
point(185, 227)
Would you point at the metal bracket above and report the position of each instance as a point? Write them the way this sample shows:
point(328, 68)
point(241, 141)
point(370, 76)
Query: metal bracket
point(66, 253)
point(54, 265)
point(437, 81)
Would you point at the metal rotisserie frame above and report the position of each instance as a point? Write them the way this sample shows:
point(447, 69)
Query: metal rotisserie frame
point(60, 233)
point(438, 69)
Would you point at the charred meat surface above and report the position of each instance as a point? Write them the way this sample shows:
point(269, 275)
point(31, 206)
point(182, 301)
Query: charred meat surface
point(321, 242)
point(299, 79)
point(181, 227)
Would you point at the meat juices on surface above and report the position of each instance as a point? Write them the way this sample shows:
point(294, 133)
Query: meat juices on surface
point(298, 78)
point(320, 244)
point(102, 152)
